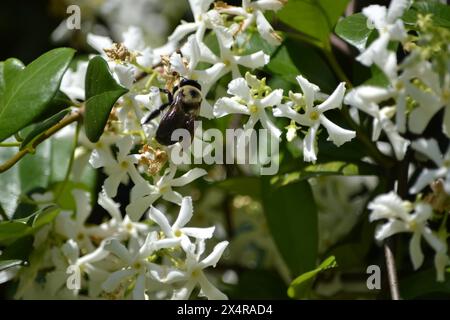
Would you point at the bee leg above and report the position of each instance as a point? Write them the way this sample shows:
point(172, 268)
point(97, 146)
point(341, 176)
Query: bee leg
point(155, 113)
point(169, 94)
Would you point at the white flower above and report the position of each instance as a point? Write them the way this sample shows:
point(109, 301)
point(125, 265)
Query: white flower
point(203, 20)
point(253, 11)
point(390, 28)
point(144, 194)
point(135, 261)
point(69, 256)
point(232, 61)
point(244, 101)
point(74, 227)
point(430, 101)
point(367, 99)
point(430, 148)
point(313, 116)
point(194, 275)
point(399, 219)
point(118, 169)
point(120, 227)
point(178, 229)
point(72, 82)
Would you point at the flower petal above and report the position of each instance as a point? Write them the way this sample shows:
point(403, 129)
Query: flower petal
point(226, 106)
point(415, 250)
point(334, 100)
point(338, 135)
point(209, 290)
point(214, 256)
point(188, 177)
point(185, 214)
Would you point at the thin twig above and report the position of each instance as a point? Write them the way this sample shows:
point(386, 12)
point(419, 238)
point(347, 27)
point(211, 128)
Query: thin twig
point(391, 271)
point(76, 116)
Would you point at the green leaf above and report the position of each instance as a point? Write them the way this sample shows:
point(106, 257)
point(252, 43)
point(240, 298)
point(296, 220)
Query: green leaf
point(58, 103)
point(258, 284)
point(12, 230)
point(293, 59)
point(42, 127)
point(102, 91)
point(335, 168)
point(300, 286)
point(354, 30)
point(2, 82)
point(422, 284)
point(292, 218)
point(12, 69)
point(31, 90)
point(250, 186)
point(315, 18)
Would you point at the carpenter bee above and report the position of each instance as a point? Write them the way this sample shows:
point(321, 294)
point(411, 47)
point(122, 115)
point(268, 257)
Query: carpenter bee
point(184, 106)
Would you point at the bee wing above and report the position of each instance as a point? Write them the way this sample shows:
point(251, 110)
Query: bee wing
point(173, 119)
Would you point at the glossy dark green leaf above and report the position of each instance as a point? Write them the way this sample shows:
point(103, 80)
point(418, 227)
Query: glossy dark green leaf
point(42, 127)
point(102, 91)
point(250, 186)
point(422, 284)
point(291, 215)
point(12, 230)
point(354, 30)
point(293, 59)
point(10, 184)
point(31, 90)
point(301, 286)
point(314, 18)
point(58, 103)
point(11, 69)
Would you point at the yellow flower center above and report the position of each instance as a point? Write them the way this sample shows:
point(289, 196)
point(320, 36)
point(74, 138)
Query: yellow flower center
point(399, 86)
point(124, 164)
point(314, 116)
point(253, 109)
point(178, 233)
point(137, 265)
point(195, 273)
point(446, 96)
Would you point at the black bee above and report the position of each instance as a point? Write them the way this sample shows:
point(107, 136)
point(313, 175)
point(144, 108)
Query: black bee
point(184, 106)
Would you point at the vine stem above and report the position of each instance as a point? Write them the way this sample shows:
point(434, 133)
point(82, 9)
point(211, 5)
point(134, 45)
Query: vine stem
point(76, 116)
point(391, 270)
point(9, 144)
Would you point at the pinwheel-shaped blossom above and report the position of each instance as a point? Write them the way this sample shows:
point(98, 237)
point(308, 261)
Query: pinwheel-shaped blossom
point(430, 149)
point(313, 116)
point(135, 262)
point(400, 219)
point(390, 28)
point(178, 229)
point(119, 169)
point(367, 99)
point(192, 272)
point(250, 97)
point(68, 258)
point(233, 61)
point(144, 194)
point(253, 11)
